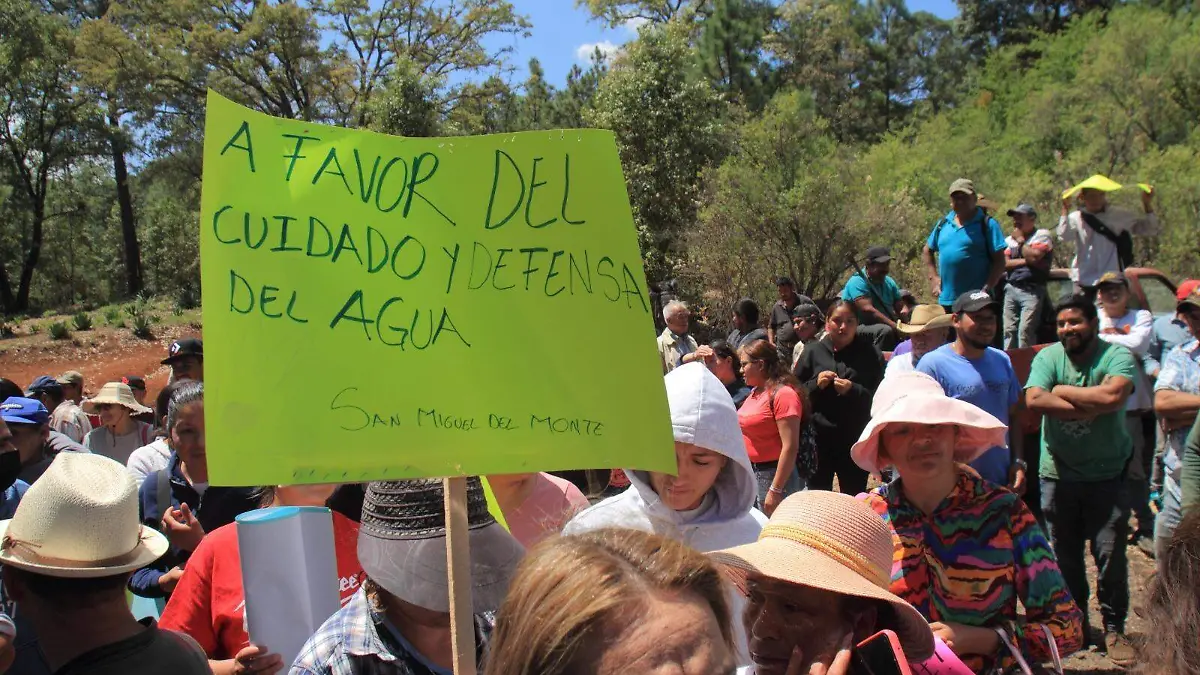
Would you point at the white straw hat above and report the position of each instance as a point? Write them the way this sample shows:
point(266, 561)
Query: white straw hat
point(833, 542)
point(114, 393)
point(80, 519)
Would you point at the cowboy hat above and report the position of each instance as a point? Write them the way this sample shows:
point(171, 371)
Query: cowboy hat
point(114, 393)
point(80, 520)
point(917, 398)
point(402, 544)
point(836, 543)
point(925, 317)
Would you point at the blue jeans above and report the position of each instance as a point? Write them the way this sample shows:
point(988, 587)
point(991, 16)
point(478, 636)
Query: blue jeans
point(1022, 312)
point(1168, 518)
point(765, 473)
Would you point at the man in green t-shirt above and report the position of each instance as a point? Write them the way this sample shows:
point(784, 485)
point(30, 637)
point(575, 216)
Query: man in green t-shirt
point(1080, 386)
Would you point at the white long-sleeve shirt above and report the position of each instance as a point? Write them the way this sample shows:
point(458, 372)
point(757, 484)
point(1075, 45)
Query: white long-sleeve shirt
point(1140, 324)
point(1094, 253)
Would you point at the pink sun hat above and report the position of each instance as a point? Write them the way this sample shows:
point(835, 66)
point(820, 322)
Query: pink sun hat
point(916, 398)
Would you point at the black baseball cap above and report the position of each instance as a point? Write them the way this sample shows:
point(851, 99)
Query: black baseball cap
point(134, 381)
point(183, 348)
point(878, 254)
point(1023, 210)
point(974, 301)
point(807, 311)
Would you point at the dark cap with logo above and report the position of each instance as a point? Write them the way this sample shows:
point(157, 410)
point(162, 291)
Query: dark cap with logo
point(878, 254)
point(184, 348)
point(134, 381)
point(974, 301)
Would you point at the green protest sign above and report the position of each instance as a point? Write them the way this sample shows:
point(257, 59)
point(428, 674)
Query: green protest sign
point(382, 307)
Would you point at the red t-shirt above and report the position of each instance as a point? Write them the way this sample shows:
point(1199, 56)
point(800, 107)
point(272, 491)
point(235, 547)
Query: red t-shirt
point(208, 604)
point(759, 430)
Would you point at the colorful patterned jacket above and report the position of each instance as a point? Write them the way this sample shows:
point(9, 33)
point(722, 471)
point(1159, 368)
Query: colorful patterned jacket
point(971, 561)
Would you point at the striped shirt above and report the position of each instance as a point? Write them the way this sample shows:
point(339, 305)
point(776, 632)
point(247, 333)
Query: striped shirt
point(971, 561)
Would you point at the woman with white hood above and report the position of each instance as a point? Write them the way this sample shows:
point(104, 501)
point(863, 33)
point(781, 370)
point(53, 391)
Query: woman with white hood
point(710, 504)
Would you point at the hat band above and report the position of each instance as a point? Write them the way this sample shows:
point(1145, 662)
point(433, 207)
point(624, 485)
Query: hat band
point(30, 554)
point(822, 543)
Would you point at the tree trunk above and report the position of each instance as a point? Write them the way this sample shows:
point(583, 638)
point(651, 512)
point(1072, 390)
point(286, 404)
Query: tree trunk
point(133, 255)
point(32, 255)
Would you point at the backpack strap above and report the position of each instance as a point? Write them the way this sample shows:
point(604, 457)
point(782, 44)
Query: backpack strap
point(162, 492)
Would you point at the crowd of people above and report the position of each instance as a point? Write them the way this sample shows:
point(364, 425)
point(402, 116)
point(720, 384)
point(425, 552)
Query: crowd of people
point(825, 495)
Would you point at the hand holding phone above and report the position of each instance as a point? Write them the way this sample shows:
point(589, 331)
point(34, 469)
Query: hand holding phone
point(879, 654)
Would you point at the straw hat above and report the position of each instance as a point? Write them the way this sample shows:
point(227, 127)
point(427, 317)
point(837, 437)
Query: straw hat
point(402, 544)
point(836, 543)
point(917, 398)
point(80, 520)
point(925, 317)
point(114, 393)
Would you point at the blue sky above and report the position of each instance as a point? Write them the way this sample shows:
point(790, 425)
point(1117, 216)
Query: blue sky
point(564, 34)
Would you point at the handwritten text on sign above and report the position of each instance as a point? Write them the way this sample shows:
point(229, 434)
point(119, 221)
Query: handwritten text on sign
point(390, 307)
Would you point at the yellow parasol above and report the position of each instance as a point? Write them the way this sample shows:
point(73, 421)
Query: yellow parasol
point(1104, 184)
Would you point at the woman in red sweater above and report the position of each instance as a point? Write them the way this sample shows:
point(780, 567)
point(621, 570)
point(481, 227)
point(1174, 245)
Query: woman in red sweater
point(209, 603)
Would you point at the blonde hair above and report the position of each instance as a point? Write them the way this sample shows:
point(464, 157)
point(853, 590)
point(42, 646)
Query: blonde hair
point(569, 590)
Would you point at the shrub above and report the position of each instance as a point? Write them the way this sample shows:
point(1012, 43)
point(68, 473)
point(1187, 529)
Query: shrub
point(6, 330)
point(82, 321)
point(35, 328)
point(111, 316)
point(59, 331)
point(141, 327)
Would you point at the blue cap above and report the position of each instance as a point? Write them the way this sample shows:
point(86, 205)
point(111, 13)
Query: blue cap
point(43, 384)
point(17, 410)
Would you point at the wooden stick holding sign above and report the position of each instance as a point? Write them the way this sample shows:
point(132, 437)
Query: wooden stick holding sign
point(458, 565)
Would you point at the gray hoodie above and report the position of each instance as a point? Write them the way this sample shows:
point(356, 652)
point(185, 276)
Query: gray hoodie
point(702, 414)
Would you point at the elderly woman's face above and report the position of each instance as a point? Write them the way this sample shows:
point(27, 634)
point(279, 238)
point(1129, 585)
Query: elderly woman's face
point(783, 620)
point(919, 450)
point(673, 633)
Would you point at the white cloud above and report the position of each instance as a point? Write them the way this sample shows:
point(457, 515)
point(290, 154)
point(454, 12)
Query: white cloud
point(584, 51)
point(634, 24)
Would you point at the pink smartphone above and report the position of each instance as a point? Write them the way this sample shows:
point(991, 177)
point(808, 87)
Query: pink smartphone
point(879, 654)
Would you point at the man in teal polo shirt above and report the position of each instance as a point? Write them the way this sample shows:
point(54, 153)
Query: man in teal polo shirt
point(969, 245)
point(877, 298)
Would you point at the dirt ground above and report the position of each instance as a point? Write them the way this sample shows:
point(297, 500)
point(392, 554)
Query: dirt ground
point(1092, 661)
point(102, 354)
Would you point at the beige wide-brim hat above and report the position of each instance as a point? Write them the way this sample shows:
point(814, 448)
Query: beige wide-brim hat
point(836, 543)
point(114, 393)
point(925, 317)
point(80, 520)
point(916, 398)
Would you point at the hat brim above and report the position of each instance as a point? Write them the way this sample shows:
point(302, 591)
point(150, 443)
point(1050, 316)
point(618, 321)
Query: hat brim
point(419, 565)
point(89, 405)
point(880, 259)
point(978, 430)
point(940, 321)
point(172, 360)
point(796, 563)
point(152, 545)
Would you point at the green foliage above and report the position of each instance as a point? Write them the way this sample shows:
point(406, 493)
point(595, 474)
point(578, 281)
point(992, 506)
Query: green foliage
point(141, 327)
point(35, 328)
point(82, 321)
point(668, 121)
point(111, 316)
point(731, 49)
point(59, 331)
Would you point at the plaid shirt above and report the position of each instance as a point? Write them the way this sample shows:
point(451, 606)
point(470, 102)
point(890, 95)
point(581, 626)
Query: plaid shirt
point(355, 642)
